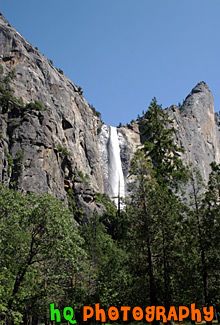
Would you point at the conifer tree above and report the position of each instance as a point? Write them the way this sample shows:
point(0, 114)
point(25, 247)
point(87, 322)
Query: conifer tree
point(195, 217)
point(203, 225)
point(160, 147)
point(144, 227)
point(162, 152)
point(210, 227)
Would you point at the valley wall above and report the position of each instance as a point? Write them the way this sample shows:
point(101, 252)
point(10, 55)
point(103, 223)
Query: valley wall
point(66, 146)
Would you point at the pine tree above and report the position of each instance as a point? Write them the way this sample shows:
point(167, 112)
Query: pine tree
point(210, 224)
point(141, 168)
point(159, 146)
point(196, 226)
point(162, 152)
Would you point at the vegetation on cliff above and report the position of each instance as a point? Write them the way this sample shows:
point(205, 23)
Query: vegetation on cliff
point(157, 250)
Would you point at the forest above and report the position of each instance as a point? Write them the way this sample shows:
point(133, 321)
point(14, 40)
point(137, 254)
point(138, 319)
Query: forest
point(159, 247)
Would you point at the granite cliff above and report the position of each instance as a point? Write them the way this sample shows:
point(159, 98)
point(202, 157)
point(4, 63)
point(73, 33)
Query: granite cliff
point(197, 132)
point(59, 145)
point(198, 129)
point(65, 146)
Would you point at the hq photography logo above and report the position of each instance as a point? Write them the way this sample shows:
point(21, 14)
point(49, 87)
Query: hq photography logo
point(125, 313)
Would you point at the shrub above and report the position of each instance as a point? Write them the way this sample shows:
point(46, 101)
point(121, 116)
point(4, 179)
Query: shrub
point(15, 123)
point(12, 74)
point(63, 151)
point(10, 160)
point(36, 106)
point(60, 71)
point(19, 155)
point(80, 91)
point(20, 101)
point(83, 177)
point(95, 112)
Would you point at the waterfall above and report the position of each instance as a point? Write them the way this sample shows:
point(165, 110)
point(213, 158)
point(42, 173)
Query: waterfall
point(115, 173)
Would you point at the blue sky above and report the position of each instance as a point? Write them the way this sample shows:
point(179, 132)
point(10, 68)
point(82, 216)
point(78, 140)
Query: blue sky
point(124, 52)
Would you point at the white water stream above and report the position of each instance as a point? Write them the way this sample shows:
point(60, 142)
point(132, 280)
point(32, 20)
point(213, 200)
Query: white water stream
point(116, 177)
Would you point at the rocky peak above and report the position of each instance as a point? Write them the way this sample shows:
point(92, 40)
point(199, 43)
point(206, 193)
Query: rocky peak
point(199, 102)
point(3, 20)
point(197, 131)
point(201, 86)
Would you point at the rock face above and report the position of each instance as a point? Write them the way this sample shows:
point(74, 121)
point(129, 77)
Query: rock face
point(59, 149)
point(197, 130)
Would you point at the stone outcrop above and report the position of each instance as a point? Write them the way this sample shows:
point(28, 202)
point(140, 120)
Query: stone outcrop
point(197, 132)
point(58, 147)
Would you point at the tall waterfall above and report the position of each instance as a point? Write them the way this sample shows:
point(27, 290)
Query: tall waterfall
point(115, 173)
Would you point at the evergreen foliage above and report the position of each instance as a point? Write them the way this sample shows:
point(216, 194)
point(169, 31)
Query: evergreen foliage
point(63, 151)
point(160, 249)
point(95, 112)
point(159, 146)
point(36, 106)
point(80, 91)
point(40, 249)
point(7, 99)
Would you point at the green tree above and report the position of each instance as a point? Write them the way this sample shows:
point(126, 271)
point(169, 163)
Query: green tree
point(160, 147)
point(162, 209)
point(108, 272)
point(40, 251)
point(156, 229)
point(210, 229)
point(143, 227)
point(195, 217)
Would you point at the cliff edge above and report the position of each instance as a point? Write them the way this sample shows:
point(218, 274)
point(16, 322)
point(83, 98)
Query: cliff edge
point(57, 148)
